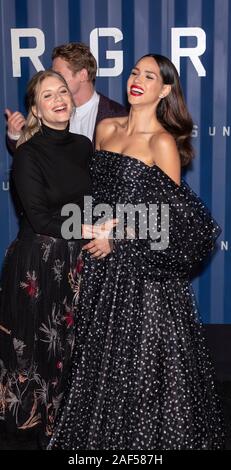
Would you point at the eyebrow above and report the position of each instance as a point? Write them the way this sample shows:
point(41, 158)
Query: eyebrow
point(147, 71)
point(50, 89)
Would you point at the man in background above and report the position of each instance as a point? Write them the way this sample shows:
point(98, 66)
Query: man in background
point(75, 62)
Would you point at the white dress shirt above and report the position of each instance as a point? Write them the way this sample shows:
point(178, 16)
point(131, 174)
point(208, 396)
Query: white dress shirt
point(84, 117)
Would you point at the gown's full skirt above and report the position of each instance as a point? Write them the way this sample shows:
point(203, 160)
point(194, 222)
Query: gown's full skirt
point(141, 377)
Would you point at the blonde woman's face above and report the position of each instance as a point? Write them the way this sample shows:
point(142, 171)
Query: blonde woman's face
point(54, 103)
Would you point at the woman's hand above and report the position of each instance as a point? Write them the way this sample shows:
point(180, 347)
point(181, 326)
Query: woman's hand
point(99, 248)
point(99, 231)
point(102, 244)
point(15, 123)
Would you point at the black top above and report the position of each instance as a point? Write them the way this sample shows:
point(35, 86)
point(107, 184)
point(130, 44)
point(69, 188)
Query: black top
point(50, 170)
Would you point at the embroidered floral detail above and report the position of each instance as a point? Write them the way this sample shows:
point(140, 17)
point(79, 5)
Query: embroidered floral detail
point(69, 314)
point(57, 268)
point(69, 318)
point(41, 344)
point(42, 393)
point(46, 247)
point(3, 370)
point(2, 399)
point(18, 346)
point(22, 378)
point(51, 331)
point(31, 286)
point(56, 401)
point(75, 286)
point(34, 418)
point(74, 277)
point(80, 264)
point(54, 382)
point(8, 332)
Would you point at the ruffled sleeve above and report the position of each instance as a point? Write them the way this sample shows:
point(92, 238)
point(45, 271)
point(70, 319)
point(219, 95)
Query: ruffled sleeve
point(192, 231)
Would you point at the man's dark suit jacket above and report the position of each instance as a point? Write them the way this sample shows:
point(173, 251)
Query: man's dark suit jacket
point(107, 108)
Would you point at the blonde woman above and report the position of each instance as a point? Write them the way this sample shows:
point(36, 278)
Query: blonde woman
point(50, 169)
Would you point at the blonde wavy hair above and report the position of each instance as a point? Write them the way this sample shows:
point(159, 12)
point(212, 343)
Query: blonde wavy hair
point(33, 123)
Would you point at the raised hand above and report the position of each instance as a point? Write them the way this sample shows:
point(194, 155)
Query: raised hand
point(15, 123)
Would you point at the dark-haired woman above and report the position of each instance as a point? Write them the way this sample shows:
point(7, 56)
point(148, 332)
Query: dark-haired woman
point(141, 378)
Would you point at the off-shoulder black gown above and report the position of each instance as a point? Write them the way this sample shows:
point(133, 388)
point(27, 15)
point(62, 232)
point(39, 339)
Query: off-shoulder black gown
point(37, 310)
point(141, 377)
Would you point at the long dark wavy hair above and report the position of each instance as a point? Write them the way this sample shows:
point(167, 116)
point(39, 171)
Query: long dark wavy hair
point(172, 112)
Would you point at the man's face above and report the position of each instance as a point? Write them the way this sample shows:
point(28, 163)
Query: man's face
point(73, 79)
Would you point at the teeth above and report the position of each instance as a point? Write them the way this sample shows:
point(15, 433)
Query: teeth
point(137, 90)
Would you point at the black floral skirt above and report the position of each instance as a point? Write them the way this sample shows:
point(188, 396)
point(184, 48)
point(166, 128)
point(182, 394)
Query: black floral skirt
point(40, 284)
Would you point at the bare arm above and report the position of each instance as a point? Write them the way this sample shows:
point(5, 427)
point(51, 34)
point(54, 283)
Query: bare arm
point(167, 157)
point(101, 247)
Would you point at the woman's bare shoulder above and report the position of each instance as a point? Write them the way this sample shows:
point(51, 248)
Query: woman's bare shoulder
point(113, 122)
point(107, 128)
point(166, 155)
point(162, 139)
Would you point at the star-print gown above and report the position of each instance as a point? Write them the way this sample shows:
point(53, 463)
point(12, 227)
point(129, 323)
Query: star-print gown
point(141, 377)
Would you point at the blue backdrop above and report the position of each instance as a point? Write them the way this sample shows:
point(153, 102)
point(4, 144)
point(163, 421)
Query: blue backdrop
point(195, 35)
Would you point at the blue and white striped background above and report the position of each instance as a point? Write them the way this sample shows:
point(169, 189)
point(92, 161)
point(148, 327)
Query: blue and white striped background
point(146, 27)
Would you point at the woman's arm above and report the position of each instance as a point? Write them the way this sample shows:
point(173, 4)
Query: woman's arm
point(29, 183)
point(166, 156)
